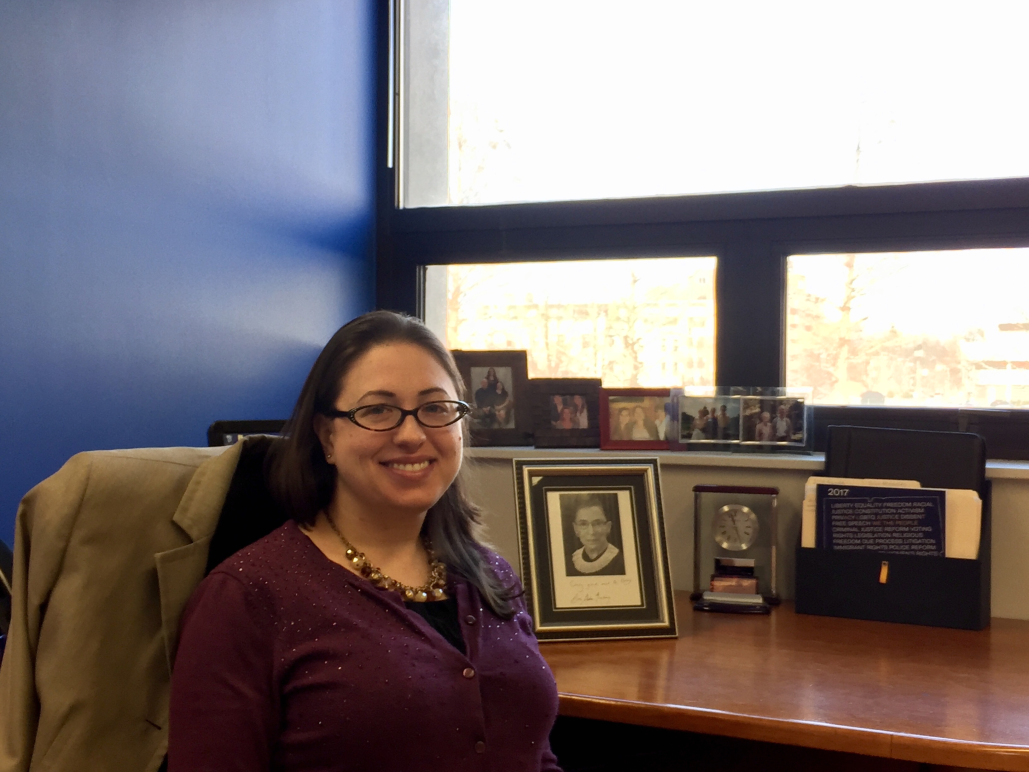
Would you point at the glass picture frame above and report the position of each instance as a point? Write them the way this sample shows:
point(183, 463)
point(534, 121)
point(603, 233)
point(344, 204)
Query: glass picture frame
point(704, 421)
point(774, 421)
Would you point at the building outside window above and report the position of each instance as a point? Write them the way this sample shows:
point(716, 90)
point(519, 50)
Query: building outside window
point(913, 328)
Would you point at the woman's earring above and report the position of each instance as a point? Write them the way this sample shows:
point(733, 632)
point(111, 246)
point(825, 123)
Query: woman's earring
point(328, 458)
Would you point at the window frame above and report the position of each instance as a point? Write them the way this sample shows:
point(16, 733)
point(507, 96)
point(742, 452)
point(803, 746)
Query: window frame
point(751, 234)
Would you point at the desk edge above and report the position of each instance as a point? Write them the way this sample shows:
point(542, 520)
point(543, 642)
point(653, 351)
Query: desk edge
point(809, 734)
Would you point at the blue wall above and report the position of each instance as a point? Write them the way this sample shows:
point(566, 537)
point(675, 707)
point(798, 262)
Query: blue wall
point(186, 215)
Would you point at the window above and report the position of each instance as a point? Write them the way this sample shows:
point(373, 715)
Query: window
point(608, 319)
point(763, 233)
point(915, 328)
point(557, 100)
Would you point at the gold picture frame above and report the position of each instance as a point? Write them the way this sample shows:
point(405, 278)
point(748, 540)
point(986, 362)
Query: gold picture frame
point(592, 548)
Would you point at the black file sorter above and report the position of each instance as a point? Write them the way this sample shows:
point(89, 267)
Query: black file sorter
point(942, 592)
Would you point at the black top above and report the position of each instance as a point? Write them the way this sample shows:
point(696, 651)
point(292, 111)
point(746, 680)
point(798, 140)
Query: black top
point(442, 615)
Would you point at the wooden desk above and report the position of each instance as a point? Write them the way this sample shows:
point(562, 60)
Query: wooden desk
point(920, 694)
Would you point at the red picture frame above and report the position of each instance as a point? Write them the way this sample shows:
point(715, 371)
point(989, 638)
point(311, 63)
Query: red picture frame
point(615, 434)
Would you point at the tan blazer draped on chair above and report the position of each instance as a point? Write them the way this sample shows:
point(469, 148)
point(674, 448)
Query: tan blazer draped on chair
point(107, 552)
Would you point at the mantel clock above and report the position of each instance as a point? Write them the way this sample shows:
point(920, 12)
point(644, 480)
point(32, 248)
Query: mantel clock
point(734, 543)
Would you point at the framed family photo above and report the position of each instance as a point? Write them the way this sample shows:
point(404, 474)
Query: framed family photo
point(592, 547)
point(498, 391)
point(705, 421)
point(773, 421)
point(566, 412)
point(636, 419)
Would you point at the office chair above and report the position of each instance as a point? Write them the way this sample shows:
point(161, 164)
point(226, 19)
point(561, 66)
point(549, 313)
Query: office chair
point(149, 523)
point(6, 568)
point(230, 432)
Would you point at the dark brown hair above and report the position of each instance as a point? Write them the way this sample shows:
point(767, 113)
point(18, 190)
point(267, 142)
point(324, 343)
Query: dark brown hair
point(573, 503)
point(303, 482)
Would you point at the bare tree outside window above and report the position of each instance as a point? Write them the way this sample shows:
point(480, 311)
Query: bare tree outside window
point(918, 328)
point(642, 322)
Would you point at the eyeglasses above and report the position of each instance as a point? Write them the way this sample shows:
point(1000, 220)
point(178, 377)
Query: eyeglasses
point(383, 418)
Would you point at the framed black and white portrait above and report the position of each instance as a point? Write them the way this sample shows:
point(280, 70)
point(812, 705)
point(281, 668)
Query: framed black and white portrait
point(592, 544)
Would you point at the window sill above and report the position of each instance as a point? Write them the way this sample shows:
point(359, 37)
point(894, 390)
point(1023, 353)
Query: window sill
point(814, 462)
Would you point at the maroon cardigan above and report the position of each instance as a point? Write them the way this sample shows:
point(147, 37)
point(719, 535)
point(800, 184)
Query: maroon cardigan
point(288, 661)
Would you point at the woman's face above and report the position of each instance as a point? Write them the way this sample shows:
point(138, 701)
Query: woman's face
point(592, 527)
point(623, 416)
point(566, 414)
point(500, 387)
point(405, 470)
point(638, 415)
point(491, 374)
point(578, 401)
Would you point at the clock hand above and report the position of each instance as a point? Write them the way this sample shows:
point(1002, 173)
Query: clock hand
point(737, 530)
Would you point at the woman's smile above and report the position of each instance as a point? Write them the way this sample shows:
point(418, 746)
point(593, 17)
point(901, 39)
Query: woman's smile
point(411, 466)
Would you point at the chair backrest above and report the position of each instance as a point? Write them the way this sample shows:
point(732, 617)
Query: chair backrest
point(230, 432)
point(6, 569)
point(249, 512)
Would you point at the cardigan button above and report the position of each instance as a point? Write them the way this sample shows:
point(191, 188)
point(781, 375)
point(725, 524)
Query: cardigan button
point(480, 747)
point(468, 673)
point(470, 619)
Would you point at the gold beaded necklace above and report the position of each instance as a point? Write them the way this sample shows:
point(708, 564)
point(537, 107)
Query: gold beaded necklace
point(431, 590)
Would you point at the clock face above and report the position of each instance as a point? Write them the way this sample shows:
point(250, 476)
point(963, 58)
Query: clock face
point(735, 527)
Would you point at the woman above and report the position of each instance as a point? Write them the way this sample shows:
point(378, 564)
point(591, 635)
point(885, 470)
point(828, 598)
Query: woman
point(567, 420)
point(623, 427)
point(491, 377)
point(763, 431)
point(582, 419)
point(504, 404)
point(642, 427)
point(373, 630)
point(698, 425)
